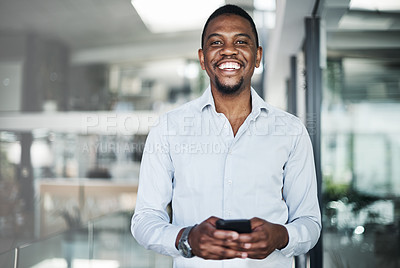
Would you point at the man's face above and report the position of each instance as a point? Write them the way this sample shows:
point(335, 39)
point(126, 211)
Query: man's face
point(230, 53)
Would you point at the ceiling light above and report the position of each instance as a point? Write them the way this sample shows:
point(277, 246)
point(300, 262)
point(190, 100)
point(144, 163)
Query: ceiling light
point(359, 230)
point(266, 19)
point(376, 5)
point(175, 15)
point(353, 22)
point(265, 5)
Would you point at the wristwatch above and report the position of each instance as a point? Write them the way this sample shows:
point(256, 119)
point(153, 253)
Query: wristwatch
point(183, 244)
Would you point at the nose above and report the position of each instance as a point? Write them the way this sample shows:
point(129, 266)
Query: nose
point(228, 50)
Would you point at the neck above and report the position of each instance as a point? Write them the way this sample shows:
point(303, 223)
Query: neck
point(233, 106)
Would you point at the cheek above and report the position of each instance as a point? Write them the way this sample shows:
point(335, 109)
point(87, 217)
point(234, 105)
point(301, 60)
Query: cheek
point(211, 56)
point(209, 64)
point(210, 73)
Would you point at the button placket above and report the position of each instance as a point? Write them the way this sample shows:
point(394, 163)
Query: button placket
point(228, 139)
point(228, 185)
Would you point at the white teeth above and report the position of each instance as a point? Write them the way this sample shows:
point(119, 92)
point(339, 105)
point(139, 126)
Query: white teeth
point(229, 65)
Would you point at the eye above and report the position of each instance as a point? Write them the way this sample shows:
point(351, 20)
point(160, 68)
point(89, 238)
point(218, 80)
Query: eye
point(217, 42)
point(241, 42)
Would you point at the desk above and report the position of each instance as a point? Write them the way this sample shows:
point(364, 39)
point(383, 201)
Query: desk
point(65, 203)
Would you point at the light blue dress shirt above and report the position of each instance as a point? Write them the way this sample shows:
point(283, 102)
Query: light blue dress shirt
point(193, 160)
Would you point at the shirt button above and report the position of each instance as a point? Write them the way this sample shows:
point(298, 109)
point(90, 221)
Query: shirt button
point(230, 182)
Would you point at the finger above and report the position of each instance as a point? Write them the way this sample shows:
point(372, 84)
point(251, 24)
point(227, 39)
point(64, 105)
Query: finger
point(220, 252)
point(205, 234)
point(258, 246)
point(253, 237)
point(213, 220)
point(224, 249)
point(228, 253)
point(207, 228)
point(231, 244)
point(256, 222)
point(226, 235)
point(259, 254)
point(234, 245)
point(211, 256)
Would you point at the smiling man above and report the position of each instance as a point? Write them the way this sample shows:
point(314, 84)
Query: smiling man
point(257, 165)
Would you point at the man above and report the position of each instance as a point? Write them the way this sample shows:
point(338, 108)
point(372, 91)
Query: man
point(228, 155)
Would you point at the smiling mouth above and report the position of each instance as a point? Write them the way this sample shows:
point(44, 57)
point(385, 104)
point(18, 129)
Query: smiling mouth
point(229, 66)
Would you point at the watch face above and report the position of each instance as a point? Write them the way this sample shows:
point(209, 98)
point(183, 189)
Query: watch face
point(185, 249)
point(183, 245)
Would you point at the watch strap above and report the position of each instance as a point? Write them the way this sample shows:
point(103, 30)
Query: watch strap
point(184, 243)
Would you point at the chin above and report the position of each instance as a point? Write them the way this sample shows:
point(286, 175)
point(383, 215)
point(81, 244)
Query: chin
point(232, 89)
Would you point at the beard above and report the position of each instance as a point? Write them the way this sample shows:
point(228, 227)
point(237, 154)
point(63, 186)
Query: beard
point(229, 89)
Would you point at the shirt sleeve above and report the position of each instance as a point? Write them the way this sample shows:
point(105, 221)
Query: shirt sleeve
point(150, 223)
point(300, 194)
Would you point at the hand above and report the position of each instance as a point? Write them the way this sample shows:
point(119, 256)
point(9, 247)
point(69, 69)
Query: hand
point(264, 238)
point(209, 243)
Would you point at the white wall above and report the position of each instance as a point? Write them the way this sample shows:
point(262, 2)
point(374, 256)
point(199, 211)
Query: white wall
point(285, 41)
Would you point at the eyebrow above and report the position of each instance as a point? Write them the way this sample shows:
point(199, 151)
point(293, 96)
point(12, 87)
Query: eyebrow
point(236, 35)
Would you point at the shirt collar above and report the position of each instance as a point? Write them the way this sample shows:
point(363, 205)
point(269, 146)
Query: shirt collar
point(258, 104)
point(206, 99)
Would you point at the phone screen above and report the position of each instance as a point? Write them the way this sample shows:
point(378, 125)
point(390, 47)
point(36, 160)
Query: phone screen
point(240, 226)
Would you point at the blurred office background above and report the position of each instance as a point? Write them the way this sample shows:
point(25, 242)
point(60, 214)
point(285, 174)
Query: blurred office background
point(82, 82)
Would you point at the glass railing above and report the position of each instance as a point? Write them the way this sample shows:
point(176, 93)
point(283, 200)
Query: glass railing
point(7, 259)
point(103, 242)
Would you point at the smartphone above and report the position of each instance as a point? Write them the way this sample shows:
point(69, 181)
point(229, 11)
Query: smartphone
point(240, 226)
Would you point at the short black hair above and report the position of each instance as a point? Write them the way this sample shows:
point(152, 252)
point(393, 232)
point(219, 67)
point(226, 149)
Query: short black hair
point(230, 9)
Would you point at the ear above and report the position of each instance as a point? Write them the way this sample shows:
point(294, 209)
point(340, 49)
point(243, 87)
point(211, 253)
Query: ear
point(259, 56)
point(201, 59)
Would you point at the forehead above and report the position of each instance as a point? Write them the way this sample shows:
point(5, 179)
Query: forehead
point(229, 24)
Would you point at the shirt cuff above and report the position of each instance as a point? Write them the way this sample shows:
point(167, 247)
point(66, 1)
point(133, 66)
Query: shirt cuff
point(288, 251)
point(170, 238)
